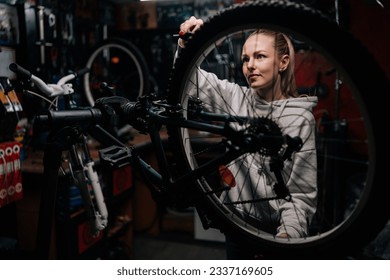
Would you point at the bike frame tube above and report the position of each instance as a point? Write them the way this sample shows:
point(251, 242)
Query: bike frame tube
point(162, 180)
point(164, 177)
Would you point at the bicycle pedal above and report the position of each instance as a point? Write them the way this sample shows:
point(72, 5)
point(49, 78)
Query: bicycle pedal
point(116, 156)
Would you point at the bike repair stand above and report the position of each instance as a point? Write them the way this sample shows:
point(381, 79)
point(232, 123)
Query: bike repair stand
point(57, 142)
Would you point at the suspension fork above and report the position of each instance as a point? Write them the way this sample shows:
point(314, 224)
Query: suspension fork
point(84, 174)
point(78, 175)
point(101, 215)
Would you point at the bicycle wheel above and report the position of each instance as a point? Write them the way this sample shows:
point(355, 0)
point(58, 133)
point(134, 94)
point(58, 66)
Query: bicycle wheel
point(346, 126)
point(121, 65)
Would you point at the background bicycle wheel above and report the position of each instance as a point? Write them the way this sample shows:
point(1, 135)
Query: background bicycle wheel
point(117, 68)
point(119, 64)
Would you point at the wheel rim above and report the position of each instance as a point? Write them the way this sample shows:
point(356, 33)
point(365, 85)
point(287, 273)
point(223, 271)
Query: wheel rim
point(116, 65)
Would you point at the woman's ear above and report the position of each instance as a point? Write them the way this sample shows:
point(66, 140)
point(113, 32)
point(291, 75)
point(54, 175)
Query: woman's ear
point(284, 61)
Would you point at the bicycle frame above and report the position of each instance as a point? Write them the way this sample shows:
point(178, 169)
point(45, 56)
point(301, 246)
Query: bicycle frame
point(162, 183)
point(163, 179)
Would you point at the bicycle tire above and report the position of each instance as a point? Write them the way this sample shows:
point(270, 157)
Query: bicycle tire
point(121, 65)
point(358, 175)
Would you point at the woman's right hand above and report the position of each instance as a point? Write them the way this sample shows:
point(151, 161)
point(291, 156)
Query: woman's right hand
point(189, 26)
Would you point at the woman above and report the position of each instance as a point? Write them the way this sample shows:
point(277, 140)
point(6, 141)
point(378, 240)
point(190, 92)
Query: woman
point(268, 66)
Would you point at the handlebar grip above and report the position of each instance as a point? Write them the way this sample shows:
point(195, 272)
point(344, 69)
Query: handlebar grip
point(20, 70)
point(82, 71)
point(89, 116)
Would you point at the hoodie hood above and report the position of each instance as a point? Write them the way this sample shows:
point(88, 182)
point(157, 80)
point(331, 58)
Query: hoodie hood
point(304, 102)
point(293, 105)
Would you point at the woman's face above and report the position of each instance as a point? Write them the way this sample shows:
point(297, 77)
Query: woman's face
point(260, 62)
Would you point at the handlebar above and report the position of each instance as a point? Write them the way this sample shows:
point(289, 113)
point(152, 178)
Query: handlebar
point(72, 76)
point(88, 116)
point(50, 90)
